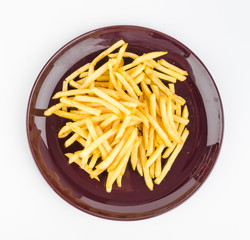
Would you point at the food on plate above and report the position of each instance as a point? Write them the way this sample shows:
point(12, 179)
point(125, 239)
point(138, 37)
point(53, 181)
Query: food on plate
point(122, 113)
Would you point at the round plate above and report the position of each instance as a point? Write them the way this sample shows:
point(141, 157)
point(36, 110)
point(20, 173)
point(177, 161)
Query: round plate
point(133, 200)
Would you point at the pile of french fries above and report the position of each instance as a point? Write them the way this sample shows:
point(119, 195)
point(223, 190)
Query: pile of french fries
point(123, 113)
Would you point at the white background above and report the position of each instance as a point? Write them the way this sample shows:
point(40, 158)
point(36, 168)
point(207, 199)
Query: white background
point(32, 31)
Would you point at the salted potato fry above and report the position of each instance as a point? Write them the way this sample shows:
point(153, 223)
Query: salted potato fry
point(52, 109)
point(172, 158)
point(134, 154)
point(123, 113)
point(155, 155)
point(128, 145)
point(119, 56)
point(143, 58)
point(122, 129)
point(147, 178)
point(91, 78)
point(111, 100)
point(97, 142)
point(126, 85)
point(77, 72)
point(168, 71)
point(172, 67)
point(171, 131)
point(104, 54)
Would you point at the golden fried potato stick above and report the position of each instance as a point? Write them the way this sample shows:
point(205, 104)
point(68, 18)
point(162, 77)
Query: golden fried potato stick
point(128, 145)
point(164, 88)
point(126, 85)
point(146, 175)
point(115, 173)
point(104, 54)
point(172, 158)
point(97, 73)
point(52, 109)
point(136, 71)
point(134, 154)
point(97, 100)
point(163, 76)
point(166, 115)
point(71, 140)
point(97, 142)
point(77, 72)
point(168, 71)
point(71, 93)
point(111, 100)
point(94, 136)
point(158, 129)
point(122, 130)
point(120, 56)
point(143, 58)
point(132, 83)
point(158, 167)
point(155, 155)
point(72, 103)
point(172, 67)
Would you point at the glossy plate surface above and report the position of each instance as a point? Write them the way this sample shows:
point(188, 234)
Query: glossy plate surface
point(133, 200)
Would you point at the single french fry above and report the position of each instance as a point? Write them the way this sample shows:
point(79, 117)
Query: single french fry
point(108, 121)
point(72, 103)
point(94, 159)
point(71, 140)
point(181, 120)
point(139, 166)
point(111, 100)
point(71, 93)
point(77, 72)
point(98, 100)
point(172, 67)
point(134, 72)
point(169, 128)
point(172, 158)
point(126, 85)
point(120, 55)
point(104, 54)
point(94, 135)
point(52, 109)
point(167, 71)
point(146, 91)
point(128, 145)
point(164, 88)
point(146, 175)
point(126, 54)
point(158, 129)
point(171, 87)
point(152, 170)
point(107, 161)
point(122, 129)
point(134, 154)
point(97, 142)
point(64, 89)
point(92, 77)
point(115, 173)
point(78, 130)
point(155, 155)
point(158, 167)
point(143, 58)
point(140, 78)
point(163, 76)
point(131, 81)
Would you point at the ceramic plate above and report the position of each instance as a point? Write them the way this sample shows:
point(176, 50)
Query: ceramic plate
point(133, 200)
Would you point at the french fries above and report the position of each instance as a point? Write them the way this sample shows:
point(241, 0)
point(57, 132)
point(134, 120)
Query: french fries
point(123, 115)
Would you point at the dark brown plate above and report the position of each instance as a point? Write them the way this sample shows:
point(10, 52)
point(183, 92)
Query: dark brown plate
point(133, 200)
